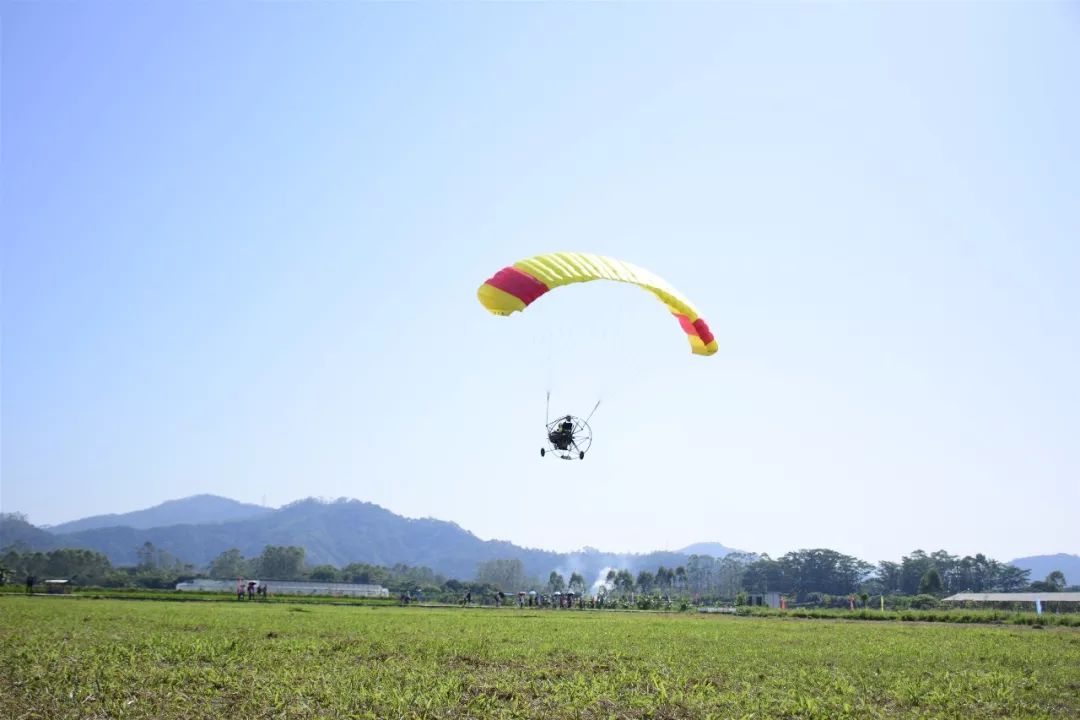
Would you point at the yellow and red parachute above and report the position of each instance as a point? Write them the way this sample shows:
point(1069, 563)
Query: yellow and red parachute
point(514, 287)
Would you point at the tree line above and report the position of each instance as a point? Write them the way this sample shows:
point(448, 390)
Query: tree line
point(157, 568)
point(801, 575)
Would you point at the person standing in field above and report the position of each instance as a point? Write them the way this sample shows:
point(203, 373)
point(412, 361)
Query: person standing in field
point(239, 588)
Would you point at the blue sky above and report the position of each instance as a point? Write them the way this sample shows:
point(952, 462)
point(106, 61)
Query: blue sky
point(241, 246)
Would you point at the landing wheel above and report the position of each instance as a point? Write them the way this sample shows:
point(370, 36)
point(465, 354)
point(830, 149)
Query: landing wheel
point(581, 455)
point(542, 452)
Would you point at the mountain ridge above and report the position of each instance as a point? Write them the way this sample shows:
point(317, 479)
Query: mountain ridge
point(343, 531)
point(203, 508)
point(1042, 565)
point(715, 549)
point(335, 532)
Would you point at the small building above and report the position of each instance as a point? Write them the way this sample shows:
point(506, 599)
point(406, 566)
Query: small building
point(58, 587)
point(765, 599)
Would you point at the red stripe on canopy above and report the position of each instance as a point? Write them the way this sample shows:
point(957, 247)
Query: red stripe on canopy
point(703, 331)
point(518, 283)
point(687, 326)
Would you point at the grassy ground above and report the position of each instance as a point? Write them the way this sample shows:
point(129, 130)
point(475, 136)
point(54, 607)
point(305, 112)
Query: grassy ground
point(951, 615)
point(64, 658)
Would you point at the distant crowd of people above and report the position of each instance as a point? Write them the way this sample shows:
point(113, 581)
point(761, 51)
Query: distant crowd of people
point(565, 600)
point(254, 589)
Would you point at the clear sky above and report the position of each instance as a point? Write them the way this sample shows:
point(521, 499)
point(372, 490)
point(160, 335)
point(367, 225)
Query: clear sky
point(242, 242)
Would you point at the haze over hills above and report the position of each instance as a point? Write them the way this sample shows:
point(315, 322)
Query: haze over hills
point(714, 549)
point(1042, 565)
point(197, 510)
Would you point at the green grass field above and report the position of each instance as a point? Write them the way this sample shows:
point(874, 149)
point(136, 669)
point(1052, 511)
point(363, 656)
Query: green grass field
point(71, 658)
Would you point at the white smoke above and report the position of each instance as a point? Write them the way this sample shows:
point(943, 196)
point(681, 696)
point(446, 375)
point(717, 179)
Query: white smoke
point(601, 582)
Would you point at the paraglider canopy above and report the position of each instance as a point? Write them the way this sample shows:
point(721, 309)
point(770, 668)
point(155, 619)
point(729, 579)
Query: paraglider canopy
point(515, 287)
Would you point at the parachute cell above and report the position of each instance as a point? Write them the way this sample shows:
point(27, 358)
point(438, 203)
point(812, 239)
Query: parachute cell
point(515, 287)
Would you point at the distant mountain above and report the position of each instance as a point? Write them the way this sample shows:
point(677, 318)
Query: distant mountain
point(17, 532)
point(342, 532)
point(713, 549)
point(1042, 565)
point(194, 510)
point(197, 529)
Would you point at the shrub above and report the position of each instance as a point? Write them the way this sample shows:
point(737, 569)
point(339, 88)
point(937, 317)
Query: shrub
point(924, 602)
